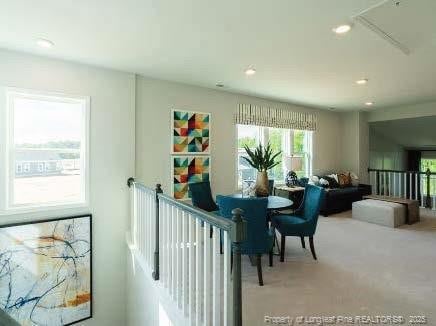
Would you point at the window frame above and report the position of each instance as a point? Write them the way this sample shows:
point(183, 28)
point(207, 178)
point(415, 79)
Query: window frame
point(288, 144)
point(7, 153)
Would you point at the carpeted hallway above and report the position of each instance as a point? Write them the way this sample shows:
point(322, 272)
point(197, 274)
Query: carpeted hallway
point(362, 269)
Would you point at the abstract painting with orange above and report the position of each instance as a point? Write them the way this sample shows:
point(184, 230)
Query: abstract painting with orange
point(186, 170)
point(45, 276)
point(190, 132)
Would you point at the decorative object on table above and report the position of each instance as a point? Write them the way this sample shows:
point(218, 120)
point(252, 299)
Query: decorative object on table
point(248, 188)
point(293, 163)
point(259, 237)
point(46, 271)
point(187, 170)
point(190, 132)
point(304, 220)
point(295, 194)
point(262, 159)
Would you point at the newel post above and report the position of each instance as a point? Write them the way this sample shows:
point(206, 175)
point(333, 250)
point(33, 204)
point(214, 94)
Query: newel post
point(238, 235)
point(156, 248)
point(428, 199)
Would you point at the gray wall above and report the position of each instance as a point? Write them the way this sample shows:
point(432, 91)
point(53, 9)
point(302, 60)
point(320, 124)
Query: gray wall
point(112, 155)
point(385, 153)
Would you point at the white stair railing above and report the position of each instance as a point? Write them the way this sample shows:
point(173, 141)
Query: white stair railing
point(414, 185)
point(182, 245)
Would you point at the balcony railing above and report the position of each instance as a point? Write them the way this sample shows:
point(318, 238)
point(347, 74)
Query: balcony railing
point(180, 245)
point(416, 185)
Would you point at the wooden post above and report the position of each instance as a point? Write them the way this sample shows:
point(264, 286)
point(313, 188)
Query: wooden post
point(238, 235)
point(156, 248)
point(428, 199)
point(377, 178)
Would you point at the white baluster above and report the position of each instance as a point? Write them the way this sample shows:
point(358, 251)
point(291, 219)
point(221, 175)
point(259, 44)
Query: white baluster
point(216, 282)
point(173, 252)
point(207, 283)
point(199, 271)
point(168, 245)
point(163, 239)
point(394, 191)
point(185, 265)
point(178, 259)
point(191, 269)
point(416, 186)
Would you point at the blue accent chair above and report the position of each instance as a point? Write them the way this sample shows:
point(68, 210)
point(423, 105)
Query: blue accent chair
point(259, 238)
point(201, 195)
point(304, 220)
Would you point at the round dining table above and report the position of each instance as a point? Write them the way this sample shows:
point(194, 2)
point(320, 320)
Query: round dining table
point(275, 203)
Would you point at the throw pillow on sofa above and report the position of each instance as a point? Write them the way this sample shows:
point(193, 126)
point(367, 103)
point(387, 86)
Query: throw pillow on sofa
point(344, 180)
point(332, 181)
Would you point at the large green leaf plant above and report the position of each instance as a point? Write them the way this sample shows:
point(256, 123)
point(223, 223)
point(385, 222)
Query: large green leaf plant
point(262, 158)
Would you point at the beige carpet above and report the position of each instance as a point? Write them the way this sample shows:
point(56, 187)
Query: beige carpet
point(362, 269)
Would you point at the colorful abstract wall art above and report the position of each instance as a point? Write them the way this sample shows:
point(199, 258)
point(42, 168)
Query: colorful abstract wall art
point(186, 170)
point(45, 271)
point(190, 132)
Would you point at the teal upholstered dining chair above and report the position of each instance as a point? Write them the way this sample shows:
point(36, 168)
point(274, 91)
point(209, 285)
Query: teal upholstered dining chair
point(201, 196)
point(259, 238)
point(304, 220)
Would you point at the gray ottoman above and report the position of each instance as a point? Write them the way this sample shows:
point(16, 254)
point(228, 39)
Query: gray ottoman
point(379, 212)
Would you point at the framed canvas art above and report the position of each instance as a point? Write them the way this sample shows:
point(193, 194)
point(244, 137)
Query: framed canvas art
point(46, 269)
point(190, 132)
point(186, 170)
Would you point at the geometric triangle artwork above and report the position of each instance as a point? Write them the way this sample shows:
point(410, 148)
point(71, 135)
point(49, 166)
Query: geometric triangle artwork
point(190, 132)
point(186, 170)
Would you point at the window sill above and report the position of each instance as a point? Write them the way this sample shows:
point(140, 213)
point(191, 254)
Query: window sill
point(24, 214)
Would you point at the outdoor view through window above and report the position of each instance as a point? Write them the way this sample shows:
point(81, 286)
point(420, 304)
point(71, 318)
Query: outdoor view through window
point(289, 142)
point(46, 150)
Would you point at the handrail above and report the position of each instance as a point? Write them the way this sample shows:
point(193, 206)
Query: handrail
point(219, 222)
point(402, 171)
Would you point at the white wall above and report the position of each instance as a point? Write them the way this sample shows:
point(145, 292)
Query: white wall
point(385, 153)
point(403, 112)
point(354, 144)
point(112, 152)
point(155, 100)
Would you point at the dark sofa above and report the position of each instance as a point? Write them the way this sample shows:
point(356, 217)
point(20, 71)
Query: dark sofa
point(341, 199)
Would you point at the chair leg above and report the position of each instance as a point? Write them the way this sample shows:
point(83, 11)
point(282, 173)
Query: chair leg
point(312, 247)
point(303, 243)
point(259, 269)
point(282, 248)
point(271, 258)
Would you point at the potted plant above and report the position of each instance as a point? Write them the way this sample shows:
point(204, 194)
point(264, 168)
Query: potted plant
point(262, 159)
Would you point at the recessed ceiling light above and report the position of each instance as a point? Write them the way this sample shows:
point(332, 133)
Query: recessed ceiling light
point(362, 81)
point(342, 29)
point(250, 71)
point(369, 103)
point(220, 85)
point(44, 43)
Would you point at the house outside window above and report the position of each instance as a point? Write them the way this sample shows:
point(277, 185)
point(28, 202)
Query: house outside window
point(290, 142)
point(43, 130)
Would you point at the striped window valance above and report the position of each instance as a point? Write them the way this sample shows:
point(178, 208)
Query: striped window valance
point(249, 114)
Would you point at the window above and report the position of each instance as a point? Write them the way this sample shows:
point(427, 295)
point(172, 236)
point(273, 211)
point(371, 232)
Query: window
point(290, 142)
point(43, 131)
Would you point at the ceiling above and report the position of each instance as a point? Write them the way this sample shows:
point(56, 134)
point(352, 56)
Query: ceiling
point(411, 133)
point(202, 42)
